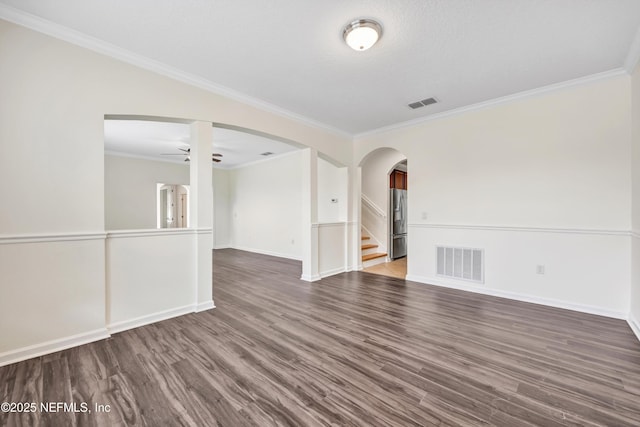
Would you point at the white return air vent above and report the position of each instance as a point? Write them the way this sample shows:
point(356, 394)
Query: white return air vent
point(460, 263)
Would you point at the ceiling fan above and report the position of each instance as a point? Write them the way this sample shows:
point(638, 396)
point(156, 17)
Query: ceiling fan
point(187, 152)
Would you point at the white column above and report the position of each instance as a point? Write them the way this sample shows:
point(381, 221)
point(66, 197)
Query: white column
point(201, 211)
point(354, 242)
point(310, 215)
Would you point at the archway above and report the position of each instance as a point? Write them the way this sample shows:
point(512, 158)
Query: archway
point(383, 212)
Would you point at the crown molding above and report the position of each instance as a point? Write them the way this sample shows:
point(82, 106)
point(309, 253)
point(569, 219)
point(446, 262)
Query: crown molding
point(633, 56)
point(69, 35)
point(256, 162)
point(497, 101)
point(77, 38)
point(142, 157)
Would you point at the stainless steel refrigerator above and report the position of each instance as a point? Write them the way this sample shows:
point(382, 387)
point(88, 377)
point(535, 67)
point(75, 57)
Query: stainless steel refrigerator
point(398, 224)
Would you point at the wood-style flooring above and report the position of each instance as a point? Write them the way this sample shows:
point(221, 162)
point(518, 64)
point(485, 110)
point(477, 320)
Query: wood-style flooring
point(355, 349)
point(397, 268)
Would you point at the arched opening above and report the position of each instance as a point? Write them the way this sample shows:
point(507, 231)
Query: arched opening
point(383, 212)
point(255, 182)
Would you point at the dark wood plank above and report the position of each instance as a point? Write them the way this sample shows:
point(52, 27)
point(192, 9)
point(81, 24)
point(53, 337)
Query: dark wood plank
point(354, 349)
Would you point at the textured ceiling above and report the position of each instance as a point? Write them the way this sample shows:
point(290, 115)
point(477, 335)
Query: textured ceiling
point(290, 53)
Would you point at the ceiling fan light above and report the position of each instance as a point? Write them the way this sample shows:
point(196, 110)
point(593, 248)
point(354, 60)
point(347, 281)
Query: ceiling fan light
point(361, 34)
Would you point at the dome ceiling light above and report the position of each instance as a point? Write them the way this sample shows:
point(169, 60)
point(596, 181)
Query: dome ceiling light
point(361, 34)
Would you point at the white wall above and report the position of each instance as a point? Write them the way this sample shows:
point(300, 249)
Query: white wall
point(159, 285)
point(332, 254)
point(221, 210)
point(332, 184)
point(52, 294)
point(265, 200)
point(54, 99)
point(555, 161)
point(635, 217)
point(130, 190)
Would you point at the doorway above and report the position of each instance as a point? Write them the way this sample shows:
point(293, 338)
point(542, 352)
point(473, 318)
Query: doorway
point(383, 218)
point(173, 206)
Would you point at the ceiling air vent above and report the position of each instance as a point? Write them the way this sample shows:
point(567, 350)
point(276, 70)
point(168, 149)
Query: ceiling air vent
point(423, 103)
point(266, 153)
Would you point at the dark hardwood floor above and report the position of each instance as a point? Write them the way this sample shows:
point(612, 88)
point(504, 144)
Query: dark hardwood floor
point(355, 349)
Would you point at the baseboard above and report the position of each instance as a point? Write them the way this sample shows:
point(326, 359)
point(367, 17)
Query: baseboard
point(375, 261)
point(332, 272)
point(310, 278)
point(520, 297)
point(222, 247)
point(204, 306)
point(634, 324)
point(52, 346)
point(270, 253)
point(150, 318)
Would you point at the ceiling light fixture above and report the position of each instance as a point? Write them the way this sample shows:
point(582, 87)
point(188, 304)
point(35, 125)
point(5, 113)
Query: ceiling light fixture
point(361, 34)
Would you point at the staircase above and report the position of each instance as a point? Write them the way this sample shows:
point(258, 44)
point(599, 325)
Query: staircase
point(370, 256)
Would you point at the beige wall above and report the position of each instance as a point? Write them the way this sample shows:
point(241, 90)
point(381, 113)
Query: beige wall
point(635, 159)
point(221, 214)
point(265, 202)
point(559, 161)
point(54, 99)
point(490, 178)
point(332, 184)
point(55, 96)
point(556, 160)
point(130, 190)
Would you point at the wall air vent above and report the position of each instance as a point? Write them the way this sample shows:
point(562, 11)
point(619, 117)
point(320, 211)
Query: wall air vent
point(460, 263)
point(267, 153)
point(423, 103)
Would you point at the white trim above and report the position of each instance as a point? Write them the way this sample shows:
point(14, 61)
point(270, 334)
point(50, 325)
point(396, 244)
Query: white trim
point(257, 162)
point(149, 318)
point(204, 306)
point(154, 232)
point(51, 237)
point(52, 346)
point(269, 253)
point(635, 234)
point(634, 324)
point(633, 56)
point(332, 272)
point(382, 247)
point(146, 158)
point(225, 246)
point(79, 39)
point(328, 224)
point(203, 230)
point(518, 297)
point(375, 261)
point(525, 229)
point(308, 278)
point(377, 210)
point(497, 101)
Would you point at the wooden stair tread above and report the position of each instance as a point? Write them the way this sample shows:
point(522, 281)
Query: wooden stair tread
point(372, 256)
point(365, 237)
point(369, 246)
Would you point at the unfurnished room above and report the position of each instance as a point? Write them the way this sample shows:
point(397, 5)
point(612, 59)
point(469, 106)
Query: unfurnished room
point(304, 213)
